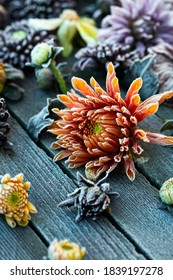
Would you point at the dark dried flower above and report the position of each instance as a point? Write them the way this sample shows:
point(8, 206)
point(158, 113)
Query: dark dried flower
point(17, 41)
point(4, 126)
point(24, 9)
point(89, 198)
point(100, 54)
point(163, 66)
point(141, 24)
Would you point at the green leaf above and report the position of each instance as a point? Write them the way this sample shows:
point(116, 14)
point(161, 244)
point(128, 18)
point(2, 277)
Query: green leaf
point(168, 125)
point(144, 68)
point(43, 119)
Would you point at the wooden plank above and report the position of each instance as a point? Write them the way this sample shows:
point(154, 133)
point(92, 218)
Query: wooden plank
point(49, 187)
point(157, 161)
point(20, 243)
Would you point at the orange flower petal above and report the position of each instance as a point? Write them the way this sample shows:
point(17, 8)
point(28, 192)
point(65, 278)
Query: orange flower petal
point(145, 111)
point(97, 87)
point(133, 91)
point(155, 99)
point(81, 86)
point(129, 167)
point(112, 85)
point(156, 138)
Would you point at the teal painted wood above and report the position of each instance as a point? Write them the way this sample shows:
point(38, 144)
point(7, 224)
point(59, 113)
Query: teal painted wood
point(49, 186)
point(157, 161)
point(137, 211)
point(20, 243)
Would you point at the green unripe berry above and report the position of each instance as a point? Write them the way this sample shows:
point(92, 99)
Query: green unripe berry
point(166, 192)
point(41, 54)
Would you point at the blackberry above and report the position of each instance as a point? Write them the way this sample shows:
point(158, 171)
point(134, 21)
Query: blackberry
point(24, 9)
point(17, 41)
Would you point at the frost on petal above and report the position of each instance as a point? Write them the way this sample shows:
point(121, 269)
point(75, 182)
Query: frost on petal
point(132, 98)
point(129, 167)
point(100, 130)
point(81, 86)
point(159, 139)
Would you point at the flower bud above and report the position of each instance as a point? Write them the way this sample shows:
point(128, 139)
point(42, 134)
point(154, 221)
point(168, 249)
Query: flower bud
point(166, 192)
point(40, 54)
point(45, 78)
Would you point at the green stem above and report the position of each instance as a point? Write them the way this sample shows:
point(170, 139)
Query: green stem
point(58, 77)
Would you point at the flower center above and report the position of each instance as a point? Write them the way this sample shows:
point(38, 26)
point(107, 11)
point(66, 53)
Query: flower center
point(92, 128)
point(67, 248)
point(101, 132)
point(13, 199)
point(19, 35)
point(145, 28)
point(69, 15)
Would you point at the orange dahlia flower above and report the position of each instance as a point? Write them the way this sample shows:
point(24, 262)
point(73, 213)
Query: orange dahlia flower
point(100, 129)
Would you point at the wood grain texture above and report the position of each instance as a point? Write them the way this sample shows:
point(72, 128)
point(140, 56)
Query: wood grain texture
point(49, 186)
point(20, 243)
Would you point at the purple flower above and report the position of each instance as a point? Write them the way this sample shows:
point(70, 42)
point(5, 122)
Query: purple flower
point(163, 66)
point(140, 24)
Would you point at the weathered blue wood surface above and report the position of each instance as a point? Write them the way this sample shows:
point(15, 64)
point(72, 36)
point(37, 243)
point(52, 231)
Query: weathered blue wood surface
point(49, 187)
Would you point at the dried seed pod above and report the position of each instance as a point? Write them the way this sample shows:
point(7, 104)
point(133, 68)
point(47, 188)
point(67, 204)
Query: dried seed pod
point(65, 250)
point(90, 199)
point(14, 202)
point(4, 126)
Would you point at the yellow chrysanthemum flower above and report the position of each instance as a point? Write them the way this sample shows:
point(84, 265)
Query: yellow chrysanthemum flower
point(14, 200)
